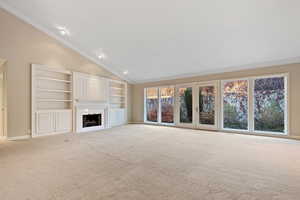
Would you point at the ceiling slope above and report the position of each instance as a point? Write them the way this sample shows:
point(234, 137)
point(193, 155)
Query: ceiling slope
point(144, 41)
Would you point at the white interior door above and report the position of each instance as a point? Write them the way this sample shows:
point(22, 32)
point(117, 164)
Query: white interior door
point(206, 105)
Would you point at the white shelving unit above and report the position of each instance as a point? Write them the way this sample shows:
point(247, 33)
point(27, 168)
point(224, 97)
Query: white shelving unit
point(51, 100)
point(117, 103)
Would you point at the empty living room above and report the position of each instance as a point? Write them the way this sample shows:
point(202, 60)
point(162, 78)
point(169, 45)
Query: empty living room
point(149, 100)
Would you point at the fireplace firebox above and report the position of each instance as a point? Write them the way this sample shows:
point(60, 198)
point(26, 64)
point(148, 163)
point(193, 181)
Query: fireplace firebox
point(91, 120)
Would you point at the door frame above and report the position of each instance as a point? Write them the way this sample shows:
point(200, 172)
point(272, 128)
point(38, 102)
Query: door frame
point(3, 71)
point(159, 106)
point(216, 85)
point(177, 105)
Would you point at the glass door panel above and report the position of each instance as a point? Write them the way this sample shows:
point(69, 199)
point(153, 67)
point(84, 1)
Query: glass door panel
point(185, 95)
point(152, 104)
point(206, 108)
point(235, 104)
point(207, 105)
point(167, 105)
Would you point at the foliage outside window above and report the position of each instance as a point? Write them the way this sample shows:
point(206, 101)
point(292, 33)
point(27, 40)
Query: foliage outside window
point(269, 104)
point(207, 105)
point(167, 105)
point(235, 105)
point(186, 105)
point(152, 104)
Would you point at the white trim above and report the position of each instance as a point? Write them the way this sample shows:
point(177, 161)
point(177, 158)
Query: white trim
point(24, 137)
point(65, 42)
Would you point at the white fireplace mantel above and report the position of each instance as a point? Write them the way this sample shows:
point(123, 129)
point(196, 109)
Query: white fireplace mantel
point(91, 108)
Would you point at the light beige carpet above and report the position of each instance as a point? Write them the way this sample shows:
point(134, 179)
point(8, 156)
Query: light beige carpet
point(140, 162)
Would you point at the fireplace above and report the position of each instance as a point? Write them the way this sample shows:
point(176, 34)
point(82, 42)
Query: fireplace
point(91, 120)
point(91, 117)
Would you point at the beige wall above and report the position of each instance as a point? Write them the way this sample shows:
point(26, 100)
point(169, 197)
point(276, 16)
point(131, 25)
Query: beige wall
point(294, 90)
point(21, 44)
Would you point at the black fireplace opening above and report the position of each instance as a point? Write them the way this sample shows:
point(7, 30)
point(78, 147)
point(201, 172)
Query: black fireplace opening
point(91, 120)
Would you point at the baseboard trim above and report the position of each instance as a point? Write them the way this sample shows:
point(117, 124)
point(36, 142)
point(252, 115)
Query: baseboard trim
point(50, 134)
point(3, 137)
point(136, 123)
point(24, 137)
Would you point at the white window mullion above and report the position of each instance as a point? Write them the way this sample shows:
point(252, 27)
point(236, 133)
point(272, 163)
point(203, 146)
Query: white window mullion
point(159, 106)
point(251, 105)
point(287, 107)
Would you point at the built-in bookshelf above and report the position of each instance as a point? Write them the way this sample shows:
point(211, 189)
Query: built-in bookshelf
point(117, 103)
point(117, 94)
point(52, 88)
point(52, 100)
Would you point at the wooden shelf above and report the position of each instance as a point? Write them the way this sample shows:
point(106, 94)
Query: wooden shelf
point(53, 100)
point(56, 91)
point(53, 70)
point(53, 79)
point(117, 95)
point(116, 88)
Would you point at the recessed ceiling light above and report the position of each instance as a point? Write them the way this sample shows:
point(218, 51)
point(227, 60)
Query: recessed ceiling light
point(102, 56)
point(125, 72)
point(63, 30)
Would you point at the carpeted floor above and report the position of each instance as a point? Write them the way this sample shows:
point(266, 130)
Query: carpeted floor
point(140, 162)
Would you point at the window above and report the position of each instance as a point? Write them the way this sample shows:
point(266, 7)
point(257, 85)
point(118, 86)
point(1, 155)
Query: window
point(152, 104)
point(254, 104)
point(186, 104)
point(235, 104)
point(207, 105)
point(270, 104)
point(159, 105)
point(167, 105)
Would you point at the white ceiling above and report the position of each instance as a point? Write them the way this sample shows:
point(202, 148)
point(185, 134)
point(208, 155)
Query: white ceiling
point(162, 39)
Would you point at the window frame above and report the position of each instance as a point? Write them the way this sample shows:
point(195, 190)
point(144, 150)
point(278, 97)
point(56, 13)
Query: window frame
point(145, 106)
point(159, 105)
point(219, 104)
point(222, 106)
point(216, 85)
point(286, 99)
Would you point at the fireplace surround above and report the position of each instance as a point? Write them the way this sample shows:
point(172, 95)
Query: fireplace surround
point(91, 117)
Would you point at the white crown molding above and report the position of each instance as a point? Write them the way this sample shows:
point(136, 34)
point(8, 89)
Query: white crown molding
point(66, 43)
point(228, 69)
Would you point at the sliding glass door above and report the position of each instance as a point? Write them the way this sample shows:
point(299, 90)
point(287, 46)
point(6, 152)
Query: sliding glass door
point(167, 100)
point(185, 106)
point(207, 106)
point(151, 104)
point(159, 105)
point(252, 105)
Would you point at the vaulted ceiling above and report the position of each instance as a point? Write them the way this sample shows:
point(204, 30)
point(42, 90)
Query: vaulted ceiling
point(144, 40)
